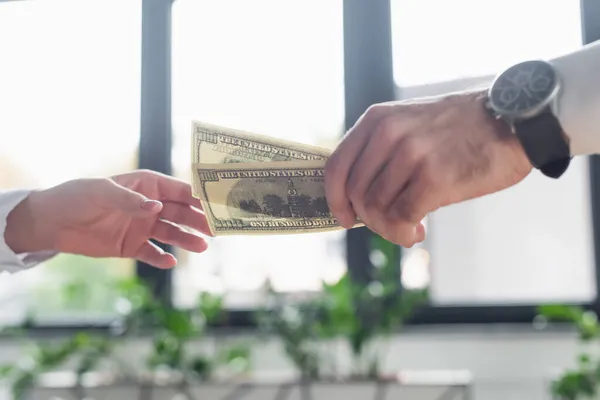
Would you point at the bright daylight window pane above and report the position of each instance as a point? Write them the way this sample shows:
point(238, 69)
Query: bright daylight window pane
point(531, 243)
point(270, 67)
point(438, 40)
point(69, 102)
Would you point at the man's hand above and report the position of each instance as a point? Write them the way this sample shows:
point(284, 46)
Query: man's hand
point(110, 218)
point(403, 160)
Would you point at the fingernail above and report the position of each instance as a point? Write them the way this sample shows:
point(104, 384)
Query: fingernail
point(419, 235)
point(151, 205)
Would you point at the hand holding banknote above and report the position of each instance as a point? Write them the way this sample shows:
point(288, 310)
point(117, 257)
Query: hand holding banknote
point(403, 160)
point(253, 184)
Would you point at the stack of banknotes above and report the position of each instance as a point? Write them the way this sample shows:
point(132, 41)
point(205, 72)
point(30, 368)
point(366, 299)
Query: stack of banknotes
point(252, 184)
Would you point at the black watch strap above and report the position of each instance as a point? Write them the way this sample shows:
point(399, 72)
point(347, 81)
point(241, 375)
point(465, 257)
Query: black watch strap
point(544, 142)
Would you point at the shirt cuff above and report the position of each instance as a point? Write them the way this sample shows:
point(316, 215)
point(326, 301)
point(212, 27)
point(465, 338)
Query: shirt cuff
point(9, 260)
point(579, 100)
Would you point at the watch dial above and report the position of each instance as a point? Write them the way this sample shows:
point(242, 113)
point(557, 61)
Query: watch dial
point(523, 87)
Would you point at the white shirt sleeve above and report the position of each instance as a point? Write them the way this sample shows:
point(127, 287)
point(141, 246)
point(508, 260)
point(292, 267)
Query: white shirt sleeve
point(9, 261)
point(578, 108)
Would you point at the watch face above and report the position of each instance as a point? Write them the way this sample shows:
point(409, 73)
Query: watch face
point(524, 89)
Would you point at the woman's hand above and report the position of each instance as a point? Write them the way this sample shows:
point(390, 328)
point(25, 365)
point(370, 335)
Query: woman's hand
point(113, 217)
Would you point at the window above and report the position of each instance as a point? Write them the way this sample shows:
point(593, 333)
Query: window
point(437, 41)
point(529, 244)
point(69, 108)
point(269, 67)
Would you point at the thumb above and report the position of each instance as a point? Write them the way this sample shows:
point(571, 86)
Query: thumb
point(132, 203)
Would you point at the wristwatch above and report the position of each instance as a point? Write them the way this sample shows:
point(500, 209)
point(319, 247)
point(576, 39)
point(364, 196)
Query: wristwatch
point(525, 96)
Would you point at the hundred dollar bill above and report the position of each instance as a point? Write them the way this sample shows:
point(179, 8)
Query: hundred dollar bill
point(212, 144)
point(268, 198)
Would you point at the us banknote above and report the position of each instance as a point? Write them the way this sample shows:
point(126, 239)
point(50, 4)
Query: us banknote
point(264, 198)
point(212, 144)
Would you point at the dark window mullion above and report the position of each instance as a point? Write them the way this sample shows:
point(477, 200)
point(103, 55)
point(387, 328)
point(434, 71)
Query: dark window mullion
point(155, 113)
point(368, 79)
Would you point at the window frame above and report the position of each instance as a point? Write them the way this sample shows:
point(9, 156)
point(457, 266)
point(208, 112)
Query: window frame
point(367, 58)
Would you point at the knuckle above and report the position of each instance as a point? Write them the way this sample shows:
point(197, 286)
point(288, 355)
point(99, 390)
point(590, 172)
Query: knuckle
point(370, 202)
point(352, 186)
point(99, 185)
point(96, 182)
point(388, 127)
point(411, 150)
point(356, 183)
point(354, 194)
point(373, 199)
point(373, 112)
point(386, 136)
point(147, 172)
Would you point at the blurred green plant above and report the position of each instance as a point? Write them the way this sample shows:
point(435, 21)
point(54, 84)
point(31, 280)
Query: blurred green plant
point(359, 314)
point(172, 331)
point(82, 350)
point(583, 381)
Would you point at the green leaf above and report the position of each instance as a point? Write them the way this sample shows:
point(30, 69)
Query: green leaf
point(238, 351)
point(587, 326)
point(137, 293)
point(236, 357)
point(211, 307)
point(201, 366)
point(573, 385)
point(167, 351)
point(584, 360)
point(559, 312)
point(178, 322)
